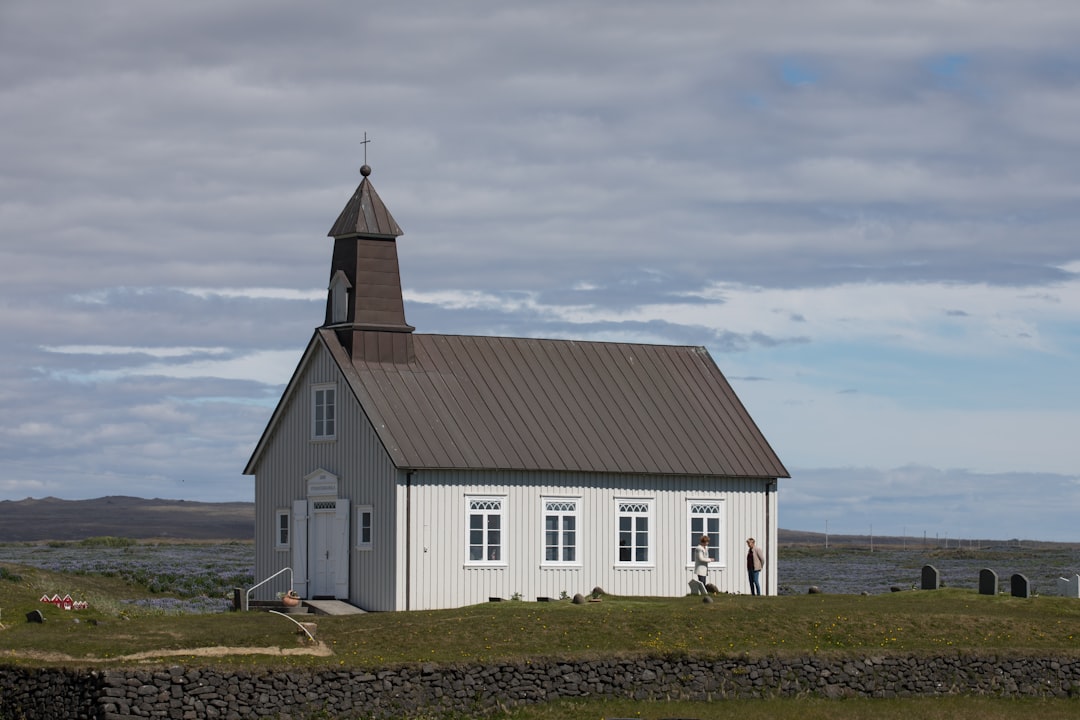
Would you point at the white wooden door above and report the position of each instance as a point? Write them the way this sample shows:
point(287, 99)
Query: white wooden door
point(320, 533)
point(328, 540)
point(300, 546)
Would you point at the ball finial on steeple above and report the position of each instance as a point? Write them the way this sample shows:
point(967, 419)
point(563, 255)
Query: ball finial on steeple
point(365, 170)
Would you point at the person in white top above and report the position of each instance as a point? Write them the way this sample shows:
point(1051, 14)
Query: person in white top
point(701, 559)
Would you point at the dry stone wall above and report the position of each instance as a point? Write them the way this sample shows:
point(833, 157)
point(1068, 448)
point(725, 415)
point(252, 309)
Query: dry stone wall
point(183, 693)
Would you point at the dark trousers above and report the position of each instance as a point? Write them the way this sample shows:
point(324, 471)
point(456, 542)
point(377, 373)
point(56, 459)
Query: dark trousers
point(755, 581)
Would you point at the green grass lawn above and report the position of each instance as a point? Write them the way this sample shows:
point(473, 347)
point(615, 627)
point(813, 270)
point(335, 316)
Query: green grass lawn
point(911, 621)
point(945, 708)
point(905, 622)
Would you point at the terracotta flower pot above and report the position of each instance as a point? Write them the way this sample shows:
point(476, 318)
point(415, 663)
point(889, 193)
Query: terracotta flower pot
point(290, 599)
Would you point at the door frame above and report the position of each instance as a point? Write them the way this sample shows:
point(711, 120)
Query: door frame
point(322, 499)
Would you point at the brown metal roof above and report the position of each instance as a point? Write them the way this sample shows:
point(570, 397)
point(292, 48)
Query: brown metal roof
point(515, 403)
point(365, 214)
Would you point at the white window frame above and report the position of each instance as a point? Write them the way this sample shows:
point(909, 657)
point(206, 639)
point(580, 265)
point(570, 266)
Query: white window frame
point(319, 430)
point(487, 508)
point(279, 514)
point(636, 510)
point(561, 509)
point(706, 517)
point(365, 519)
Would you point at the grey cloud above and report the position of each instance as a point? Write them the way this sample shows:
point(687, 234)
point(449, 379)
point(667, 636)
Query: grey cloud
point(529, 149)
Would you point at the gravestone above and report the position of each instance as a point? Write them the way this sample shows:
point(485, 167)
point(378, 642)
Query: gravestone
point(35, 616)
point(931, 578)
point(988, 582)
point(697, 587)
point(1020, 586)
point(1069, 587)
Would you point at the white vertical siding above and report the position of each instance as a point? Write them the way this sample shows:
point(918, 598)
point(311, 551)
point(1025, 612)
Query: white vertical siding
point(417, 559)
point(365, 475)
point(440, 576)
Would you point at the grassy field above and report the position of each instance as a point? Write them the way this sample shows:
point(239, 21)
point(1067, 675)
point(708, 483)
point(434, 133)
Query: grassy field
point(946, 708)
point(112, 630)
point(912, 621)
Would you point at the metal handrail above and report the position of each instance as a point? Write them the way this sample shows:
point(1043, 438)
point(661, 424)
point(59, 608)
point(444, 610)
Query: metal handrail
point(295, 622)
point(253, 588)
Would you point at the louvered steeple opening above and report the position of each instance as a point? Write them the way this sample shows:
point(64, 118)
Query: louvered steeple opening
point(364, 304)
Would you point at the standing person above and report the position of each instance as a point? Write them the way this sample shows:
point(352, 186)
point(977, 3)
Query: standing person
point(701, 559)
point(755, 560)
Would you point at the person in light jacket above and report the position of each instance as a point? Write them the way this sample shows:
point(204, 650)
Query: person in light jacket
point(755, 560)
point(701, 559)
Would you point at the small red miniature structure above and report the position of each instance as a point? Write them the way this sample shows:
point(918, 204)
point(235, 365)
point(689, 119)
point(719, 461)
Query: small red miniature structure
point(66, 602)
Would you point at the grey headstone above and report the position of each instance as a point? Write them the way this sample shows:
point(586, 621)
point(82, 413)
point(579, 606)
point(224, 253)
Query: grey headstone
point(931, 578)
point(813, 590)
point(579, 599)
point(988, 582)
point(35, 616)
point(696, 587)
point(1019, 586)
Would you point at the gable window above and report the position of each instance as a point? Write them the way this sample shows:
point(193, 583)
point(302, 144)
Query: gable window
point(560, 530)
point(484, 519)
point(281, 529)
point(705, 519)
point(634, 521)
point(364, 514)
point(323, 412)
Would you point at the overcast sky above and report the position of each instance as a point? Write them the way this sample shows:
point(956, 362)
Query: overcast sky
point(868, 212)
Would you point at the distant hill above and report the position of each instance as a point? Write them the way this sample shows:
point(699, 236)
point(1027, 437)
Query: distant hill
point(50, 518)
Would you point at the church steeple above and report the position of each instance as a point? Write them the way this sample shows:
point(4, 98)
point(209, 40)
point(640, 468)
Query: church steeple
point(364, 304)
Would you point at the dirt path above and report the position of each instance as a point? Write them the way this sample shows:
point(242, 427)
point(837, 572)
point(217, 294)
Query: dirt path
point(316, 650)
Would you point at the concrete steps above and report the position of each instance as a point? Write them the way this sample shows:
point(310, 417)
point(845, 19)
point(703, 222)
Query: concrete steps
point(332, 607)
point(308, 607)
point(278, 606)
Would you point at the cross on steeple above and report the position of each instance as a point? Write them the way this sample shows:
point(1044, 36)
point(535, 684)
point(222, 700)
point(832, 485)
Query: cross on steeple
point(365, 169)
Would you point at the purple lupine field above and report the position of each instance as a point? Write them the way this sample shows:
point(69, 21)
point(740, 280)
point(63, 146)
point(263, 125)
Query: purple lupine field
point(190, 577)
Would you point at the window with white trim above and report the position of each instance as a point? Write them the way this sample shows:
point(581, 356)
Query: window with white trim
point(561, 530)
point(323, 412)
point(704, 517)
point(281, 529)
point(484, 520)
point(634, 520)
point(364, 514)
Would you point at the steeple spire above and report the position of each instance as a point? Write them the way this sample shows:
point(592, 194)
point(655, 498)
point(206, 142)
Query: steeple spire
point(364, 304)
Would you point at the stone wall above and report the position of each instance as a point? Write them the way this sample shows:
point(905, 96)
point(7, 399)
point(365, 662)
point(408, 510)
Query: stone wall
point(198, 692)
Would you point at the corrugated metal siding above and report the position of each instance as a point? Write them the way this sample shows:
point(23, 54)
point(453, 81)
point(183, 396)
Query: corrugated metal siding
point(366, 476)
point(525, 404)
point(440, 577)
